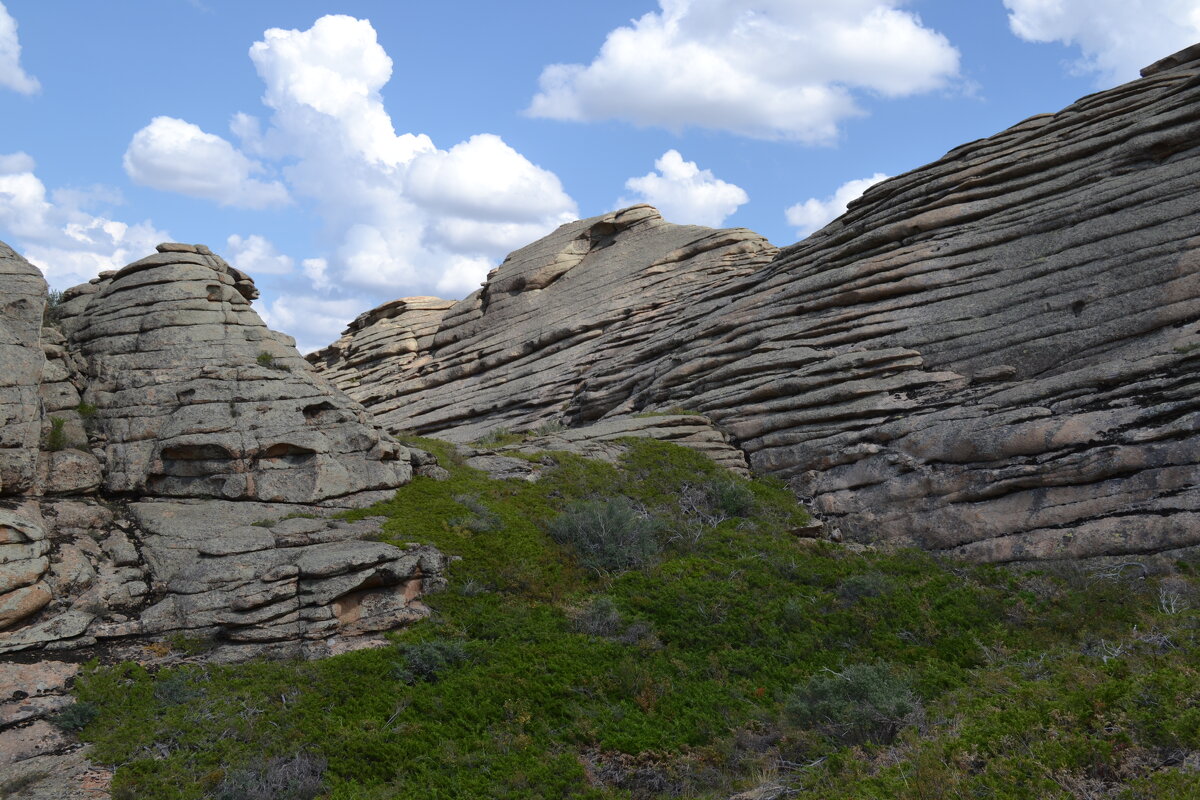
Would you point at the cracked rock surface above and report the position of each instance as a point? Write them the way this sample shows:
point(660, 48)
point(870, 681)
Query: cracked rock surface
point(996, 355)
point(170, 465)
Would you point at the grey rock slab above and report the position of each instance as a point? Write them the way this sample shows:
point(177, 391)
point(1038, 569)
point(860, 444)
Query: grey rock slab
point(200, 399)
point(996, 354)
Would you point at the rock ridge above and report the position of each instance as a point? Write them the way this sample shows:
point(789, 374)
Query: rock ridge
point(995, 356)
point(169, 467)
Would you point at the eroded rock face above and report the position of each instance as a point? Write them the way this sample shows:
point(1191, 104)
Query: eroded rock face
point(522, 350)
point(170, 465)
point(21, 362)
point(996, 355)
point(198, 398)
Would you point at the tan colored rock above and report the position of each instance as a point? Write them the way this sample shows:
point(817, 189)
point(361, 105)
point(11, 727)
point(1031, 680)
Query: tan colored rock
point(21, 603)
point(601, 440)
point(69, 472)
point(516, 353)
point(29, 741)
point(60, 776)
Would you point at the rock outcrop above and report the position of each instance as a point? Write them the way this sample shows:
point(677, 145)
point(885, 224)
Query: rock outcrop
point(522, 351)
point(996, 355)
point(169, 468)
point(21, 363)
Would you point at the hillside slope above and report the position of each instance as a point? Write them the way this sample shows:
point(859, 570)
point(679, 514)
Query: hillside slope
point(995, 355)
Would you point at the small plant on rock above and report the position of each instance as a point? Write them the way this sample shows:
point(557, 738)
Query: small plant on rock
point(56, 439)
point(52, 312)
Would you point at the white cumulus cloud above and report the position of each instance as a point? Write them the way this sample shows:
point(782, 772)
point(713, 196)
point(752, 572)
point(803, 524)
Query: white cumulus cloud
point(397, 214)
point(770, 69)
point(56, 232)
point(257, 255)
point(1116, 37)
point(11, 74)
point(177, 156)
point(814, 214)
point(313, 321)
point(400, 215)
point(684, 193)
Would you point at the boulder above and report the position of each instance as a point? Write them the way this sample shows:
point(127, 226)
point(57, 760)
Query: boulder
point(196, 397)
point(148, 426)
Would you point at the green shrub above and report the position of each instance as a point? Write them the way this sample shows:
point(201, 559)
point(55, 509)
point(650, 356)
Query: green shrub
point(863, 585)
point(730, 496)
point(425, 661)
point(76, 716)
point(481, 519)
point(179, 687)
point(265, 359)
point(56, 439)
point(300, 777)
point(598, 618)
point(52, 311)
point(862, 703)
point(606, 535)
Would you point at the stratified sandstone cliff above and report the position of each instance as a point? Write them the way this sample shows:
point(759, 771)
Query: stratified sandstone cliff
point(996, 355)
point(167, 463)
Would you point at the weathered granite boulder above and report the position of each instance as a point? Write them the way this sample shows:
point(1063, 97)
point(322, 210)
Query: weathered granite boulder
point(198, 398)
point(170, 465)
point(22, 300)
point(602, 440)
point(996, 355)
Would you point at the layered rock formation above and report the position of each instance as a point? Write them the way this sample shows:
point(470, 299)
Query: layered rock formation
point(521, 351)
point(188, 461)
point(996, 355)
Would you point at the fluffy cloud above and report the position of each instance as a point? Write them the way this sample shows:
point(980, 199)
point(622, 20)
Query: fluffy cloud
point(771, 69)
point(257, 256)
point(1117, 37)
point(56, 233)
point(11, 74)
point(400, 215)
point(684, 193)
point(177, 156)
point(814, 214)
point(314, 321)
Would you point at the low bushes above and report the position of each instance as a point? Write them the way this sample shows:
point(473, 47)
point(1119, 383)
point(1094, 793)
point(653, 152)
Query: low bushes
point(862, 703)
point(607, 535)
point(299, 777)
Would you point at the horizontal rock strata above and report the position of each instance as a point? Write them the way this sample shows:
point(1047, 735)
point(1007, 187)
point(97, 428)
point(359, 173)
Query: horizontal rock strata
point(603, 440)
point(169, 466)
point(521, 350)
point(995, 355)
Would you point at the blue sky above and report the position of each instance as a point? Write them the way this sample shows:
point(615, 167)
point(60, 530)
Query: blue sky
point(348, 153)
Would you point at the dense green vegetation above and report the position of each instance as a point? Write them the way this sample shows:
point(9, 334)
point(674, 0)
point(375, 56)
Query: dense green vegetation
point(726, 654)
